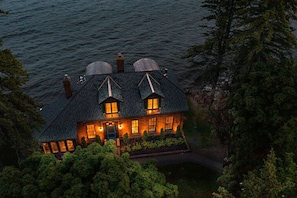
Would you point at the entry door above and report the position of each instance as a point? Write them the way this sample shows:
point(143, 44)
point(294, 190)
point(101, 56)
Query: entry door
point(111, 132)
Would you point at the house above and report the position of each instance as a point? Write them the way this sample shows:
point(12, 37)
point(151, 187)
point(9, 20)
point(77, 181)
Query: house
point(108, 104)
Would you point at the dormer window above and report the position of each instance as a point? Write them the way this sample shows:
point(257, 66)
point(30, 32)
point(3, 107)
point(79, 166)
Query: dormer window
point(111, 110)
point(153, 105)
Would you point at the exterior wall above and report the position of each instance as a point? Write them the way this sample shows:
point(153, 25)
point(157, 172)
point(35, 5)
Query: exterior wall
point(125, 126)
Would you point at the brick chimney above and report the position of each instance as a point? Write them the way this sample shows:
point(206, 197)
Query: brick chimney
point(67, 86)
point(120, 62)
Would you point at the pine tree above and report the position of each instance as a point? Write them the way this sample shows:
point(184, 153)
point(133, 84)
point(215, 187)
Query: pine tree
point(208, 60)
point(19, 113)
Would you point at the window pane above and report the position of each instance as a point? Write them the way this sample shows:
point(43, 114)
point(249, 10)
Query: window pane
point(152, 125)
point(150, 104)
point(54, 147)
point(156, 103)
point(62, 146)
point(134, 126)
point(107, 108)
point(46, 148)
point(70, 145)
point(114, 107)
point(91, 131)
point(169, 122)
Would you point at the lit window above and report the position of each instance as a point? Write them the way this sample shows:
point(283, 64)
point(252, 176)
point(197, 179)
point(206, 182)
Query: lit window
point(153, 103)
point(169, 123)
point(91, 131)
point(54, 147)
point(111, 109)
point(62, 146)
point(46, 148)
point(152, 125)
point(70, 145)
point(134, 126)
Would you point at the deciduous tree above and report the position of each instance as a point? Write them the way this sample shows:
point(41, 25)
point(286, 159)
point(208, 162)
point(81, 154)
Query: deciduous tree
point(94, 171)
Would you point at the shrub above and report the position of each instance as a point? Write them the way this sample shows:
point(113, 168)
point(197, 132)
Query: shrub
point(145, 136)
point(126, 138)
point(169, 141)
point(83, 142)
point(162, 134)
point(98, 139)
point(145, 144)
point(160, 143)
point(136, 147)
point(177, 134)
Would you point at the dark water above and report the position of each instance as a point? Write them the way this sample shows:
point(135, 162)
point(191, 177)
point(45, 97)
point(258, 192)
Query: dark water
point(55, 37)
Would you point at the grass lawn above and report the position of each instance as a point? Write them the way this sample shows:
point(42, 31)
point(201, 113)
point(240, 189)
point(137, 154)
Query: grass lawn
point(193, 180)
point(197, 131)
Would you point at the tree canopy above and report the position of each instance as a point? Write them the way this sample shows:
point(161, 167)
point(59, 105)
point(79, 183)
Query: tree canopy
point(19, 113)
point(94, 171)
point(258, 55)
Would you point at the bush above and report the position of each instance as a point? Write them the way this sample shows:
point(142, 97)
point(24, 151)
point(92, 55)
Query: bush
point(145, 136)
point(177, 134)
point(83, 142)
point(126, 138)
point(98, 139)
point(162, 134)
point(136, 147)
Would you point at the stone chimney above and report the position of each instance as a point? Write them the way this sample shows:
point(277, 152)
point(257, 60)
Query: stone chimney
point(120, 62)
point(67, 86)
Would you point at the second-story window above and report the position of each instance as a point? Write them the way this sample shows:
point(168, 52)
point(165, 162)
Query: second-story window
point(111, 110)
point(152, 105)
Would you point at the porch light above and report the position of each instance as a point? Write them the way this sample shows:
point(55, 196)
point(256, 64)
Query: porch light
point(120, 126)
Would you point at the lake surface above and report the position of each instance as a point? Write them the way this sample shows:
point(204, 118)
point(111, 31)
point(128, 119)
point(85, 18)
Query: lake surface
point(55, 37)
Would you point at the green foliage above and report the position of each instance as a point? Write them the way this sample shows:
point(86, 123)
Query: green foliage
point(222, 193)
point(152, 144)
point(136, 147)
point(94, 171)
point(83, 142)
point(276, 178)
point(209, 59)
point(19, 113)
point(145, 136)
point(162, 134)
point(178, 132)
point(98, 139)
point(126, 138)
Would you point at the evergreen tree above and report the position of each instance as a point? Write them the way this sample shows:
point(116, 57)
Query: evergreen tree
point(208, 60)
point(19, 113)
point(258, 53)
point(264, 86)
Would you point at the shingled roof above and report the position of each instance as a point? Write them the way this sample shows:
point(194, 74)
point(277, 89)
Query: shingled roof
point(85, 106)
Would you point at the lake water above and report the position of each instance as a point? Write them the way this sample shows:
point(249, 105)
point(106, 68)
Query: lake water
point(55, 37)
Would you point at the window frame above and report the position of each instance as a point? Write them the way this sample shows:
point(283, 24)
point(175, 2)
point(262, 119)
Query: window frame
point(70, 145)
point(91, 133)
point(152, 123)
point(54, 147)
point(134, 125)
point(46, 147)
point(63, 148)
point(111, 109)
point(169, 123)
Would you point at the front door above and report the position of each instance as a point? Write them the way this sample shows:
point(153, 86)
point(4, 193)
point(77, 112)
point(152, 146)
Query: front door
point(111, 132)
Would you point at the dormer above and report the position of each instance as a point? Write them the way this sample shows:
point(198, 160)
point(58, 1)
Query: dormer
point(151, 94)
point(109, 95)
